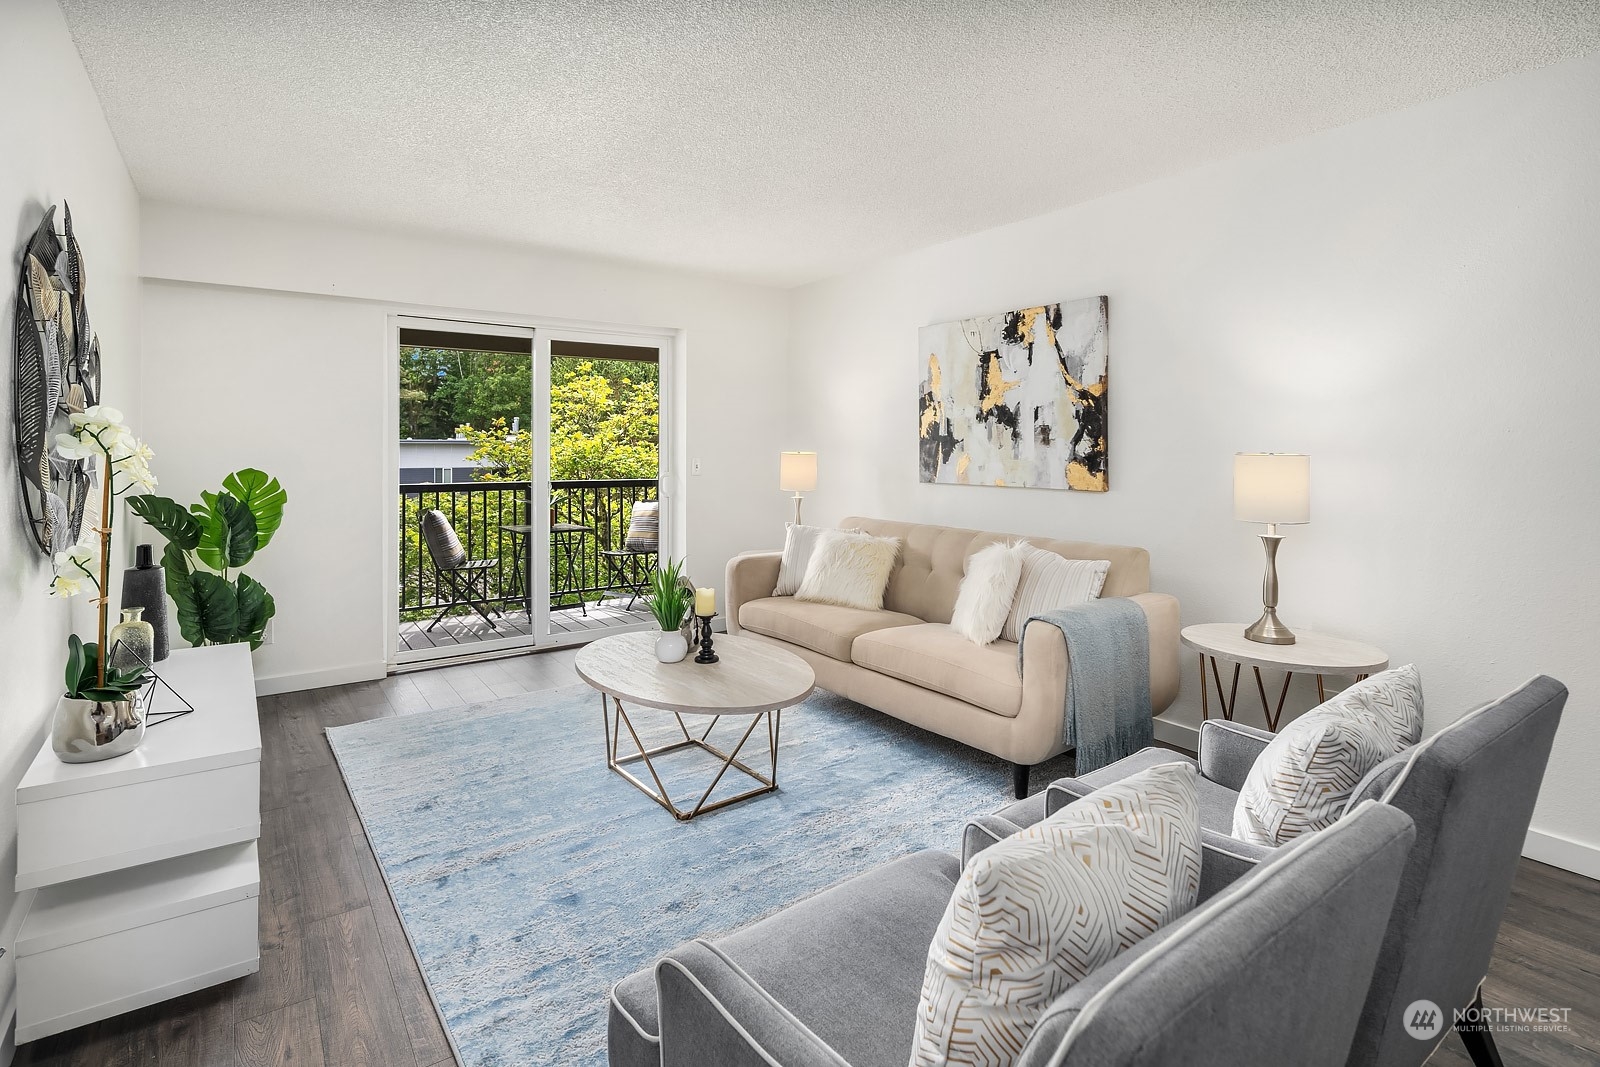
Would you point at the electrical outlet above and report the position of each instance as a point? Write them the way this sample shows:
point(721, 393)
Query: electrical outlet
point(694, 467)
point(266, 633)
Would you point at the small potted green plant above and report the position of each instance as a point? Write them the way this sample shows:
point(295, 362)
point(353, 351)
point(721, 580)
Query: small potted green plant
point(97, 718)
point(670, 600)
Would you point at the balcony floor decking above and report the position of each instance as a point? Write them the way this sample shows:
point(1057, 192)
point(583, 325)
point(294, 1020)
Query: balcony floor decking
point(467, 630)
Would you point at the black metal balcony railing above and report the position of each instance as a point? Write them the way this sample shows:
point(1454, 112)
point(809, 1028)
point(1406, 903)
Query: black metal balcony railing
point(485, 516)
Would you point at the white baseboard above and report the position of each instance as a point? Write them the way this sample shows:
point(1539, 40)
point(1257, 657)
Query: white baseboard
point(1563, 852)
point(1180, 734)
point(273, 684)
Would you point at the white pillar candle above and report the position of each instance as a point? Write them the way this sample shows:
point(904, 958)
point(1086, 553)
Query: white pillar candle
point(705, 601)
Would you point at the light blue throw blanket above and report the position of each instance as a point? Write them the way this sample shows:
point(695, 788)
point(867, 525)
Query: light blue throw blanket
point(1107, 711)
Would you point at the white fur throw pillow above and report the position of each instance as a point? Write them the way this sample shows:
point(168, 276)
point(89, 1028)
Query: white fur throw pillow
point(1038, 912)
point(849, 570)
point(1050, 581)
point(1303, 779)
point(987, 590)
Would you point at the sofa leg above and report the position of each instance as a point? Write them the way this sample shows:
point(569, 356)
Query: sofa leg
point(1479, 1039)
point(1019, 779)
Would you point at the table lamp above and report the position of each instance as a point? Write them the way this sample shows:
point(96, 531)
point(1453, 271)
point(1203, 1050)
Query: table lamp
point(797, 473)
point(1272, 488)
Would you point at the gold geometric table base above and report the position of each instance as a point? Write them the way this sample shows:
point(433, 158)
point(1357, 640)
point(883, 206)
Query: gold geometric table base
point(614, 723)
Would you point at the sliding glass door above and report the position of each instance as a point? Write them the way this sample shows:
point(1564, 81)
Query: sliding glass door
point(530, 509)
point(469, 519)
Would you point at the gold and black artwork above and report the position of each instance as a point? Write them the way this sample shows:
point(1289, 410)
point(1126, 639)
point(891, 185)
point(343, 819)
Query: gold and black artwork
point(1017, 398)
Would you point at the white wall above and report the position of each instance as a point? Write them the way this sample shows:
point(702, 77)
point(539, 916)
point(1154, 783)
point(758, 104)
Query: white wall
point(1411, 299)
point(56, 148)
point(268, 345)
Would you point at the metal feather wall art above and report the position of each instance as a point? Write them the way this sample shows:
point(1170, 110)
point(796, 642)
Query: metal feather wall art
point(57, 373)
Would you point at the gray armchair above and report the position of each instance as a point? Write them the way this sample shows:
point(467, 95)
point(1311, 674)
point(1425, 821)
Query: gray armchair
point(1470, 789)
point(834, 980)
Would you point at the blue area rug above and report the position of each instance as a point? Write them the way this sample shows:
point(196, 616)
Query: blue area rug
point(530, 878)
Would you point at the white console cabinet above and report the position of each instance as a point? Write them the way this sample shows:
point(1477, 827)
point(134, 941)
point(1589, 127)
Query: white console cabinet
point(146, 864)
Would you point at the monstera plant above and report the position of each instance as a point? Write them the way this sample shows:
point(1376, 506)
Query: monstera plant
point(207, 543)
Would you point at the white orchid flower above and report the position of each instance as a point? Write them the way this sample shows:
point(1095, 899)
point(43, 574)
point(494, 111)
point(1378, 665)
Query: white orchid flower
point(79, 561)
point(63, 586)
point(72, 446)
point(99, 415)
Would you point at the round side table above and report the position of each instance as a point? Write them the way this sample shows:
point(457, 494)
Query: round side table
point(1312, 653)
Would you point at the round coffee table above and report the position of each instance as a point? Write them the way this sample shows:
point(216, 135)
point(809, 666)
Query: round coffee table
point(1311, 653)
point(751, 678)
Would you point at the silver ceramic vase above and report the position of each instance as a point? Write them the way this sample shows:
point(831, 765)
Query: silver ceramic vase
point(86, 731)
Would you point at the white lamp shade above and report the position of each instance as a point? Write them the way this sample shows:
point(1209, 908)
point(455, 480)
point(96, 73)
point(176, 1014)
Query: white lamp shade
point(1272, 487)
point(797, 471)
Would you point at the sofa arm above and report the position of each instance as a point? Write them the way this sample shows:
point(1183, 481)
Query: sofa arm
point(1224, 860)
point(713, 1012)
point(983, 831)
point(751, 576)
point(1228, 750)
point(1064, 791)
point(1161, 615)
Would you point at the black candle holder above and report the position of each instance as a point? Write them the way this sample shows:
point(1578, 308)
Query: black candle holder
point(705, 655)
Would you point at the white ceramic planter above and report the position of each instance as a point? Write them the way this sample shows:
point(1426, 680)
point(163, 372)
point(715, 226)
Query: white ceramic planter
point(671, 646)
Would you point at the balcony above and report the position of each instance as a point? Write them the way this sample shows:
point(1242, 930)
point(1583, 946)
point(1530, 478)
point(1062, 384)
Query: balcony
point(588, 590)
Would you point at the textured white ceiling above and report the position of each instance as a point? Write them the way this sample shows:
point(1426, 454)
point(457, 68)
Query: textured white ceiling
point(777, 141)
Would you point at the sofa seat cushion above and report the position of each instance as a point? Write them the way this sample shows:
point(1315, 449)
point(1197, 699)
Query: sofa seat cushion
point(848, 962)
point(826, 628)
point(936, 657)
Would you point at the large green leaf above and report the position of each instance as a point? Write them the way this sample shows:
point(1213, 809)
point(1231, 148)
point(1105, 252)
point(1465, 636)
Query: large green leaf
point(261, 493)
point(176, 563)
point(76, 661)
point(208, 608)
point(227, 531)
point(169, 519)
point(256, 608)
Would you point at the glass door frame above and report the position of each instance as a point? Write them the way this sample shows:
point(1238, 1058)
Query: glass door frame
point(669, 344)
point(666, 429)
point(535, 581)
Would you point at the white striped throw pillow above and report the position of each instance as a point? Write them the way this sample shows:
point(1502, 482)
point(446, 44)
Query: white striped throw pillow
point(1303, 779)
point(1037, 912)
point(1050, 581)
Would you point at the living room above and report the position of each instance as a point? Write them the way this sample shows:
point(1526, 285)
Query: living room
point(1366, 235)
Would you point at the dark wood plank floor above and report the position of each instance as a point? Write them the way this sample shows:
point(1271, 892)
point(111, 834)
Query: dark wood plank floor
point(338, 986)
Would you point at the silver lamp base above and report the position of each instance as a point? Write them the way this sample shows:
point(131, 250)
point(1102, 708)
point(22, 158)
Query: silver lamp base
point(1268, 630)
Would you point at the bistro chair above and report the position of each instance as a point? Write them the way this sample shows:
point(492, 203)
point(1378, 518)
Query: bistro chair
point(466, 579)
point(624, 572)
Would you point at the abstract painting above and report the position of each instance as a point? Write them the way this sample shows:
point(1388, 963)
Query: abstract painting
point(1017, 398)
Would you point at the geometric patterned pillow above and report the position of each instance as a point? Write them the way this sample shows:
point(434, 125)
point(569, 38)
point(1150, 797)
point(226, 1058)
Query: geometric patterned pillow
point(1395, 697)
point(1038, 912)
point(1303, 779)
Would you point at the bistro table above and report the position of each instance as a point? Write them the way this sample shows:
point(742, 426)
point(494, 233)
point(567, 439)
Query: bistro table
point(567, 535)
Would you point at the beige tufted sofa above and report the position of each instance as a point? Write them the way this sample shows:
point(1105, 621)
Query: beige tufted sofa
point(906, 661)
